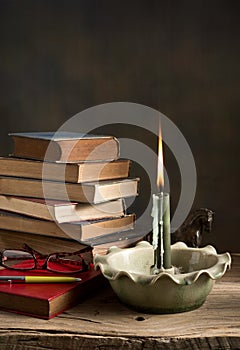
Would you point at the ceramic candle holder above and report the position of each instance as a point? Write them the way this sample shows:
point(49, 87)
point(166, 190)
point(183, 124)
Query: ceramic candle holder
point(182, 288)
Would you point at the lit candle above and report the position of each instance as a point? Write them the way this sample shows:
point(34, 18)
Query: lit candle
point(161, 219)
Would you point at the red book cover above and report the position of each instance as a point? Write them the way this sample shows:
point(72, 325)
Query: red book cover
point(46, 300)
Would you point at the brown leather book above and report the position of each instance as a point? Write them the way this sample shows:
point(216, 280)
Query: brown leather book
point(68, 172)
point(64, 146)
point(88, 192)
point(78, 230)
point(61, 211)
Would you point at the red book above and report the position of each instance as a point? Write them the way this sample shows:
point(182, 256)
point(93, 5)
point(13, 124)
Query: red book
point(46, 300)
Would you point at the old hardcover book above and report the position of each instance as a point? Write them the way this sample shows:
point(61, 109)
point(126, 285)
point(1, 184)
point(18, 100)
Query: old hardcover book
point(47, 244)
point(46, 300)
point(88, 192)
point(68, 172)
point(79, 230)
point(62, 211)
point(64, 146)
point(43, 244)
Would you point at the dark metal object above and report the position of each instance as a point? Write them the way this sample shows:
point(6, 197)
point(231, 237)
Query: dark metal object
point(191, 231)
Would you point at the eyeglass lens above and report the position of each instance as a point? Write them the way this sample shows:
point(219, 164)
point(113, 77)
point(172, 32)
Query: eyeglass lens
point(63, 263)
point(17, 259)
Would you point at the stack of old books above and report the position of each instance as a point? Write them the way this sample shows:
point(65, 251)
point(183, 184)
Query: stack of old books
point(62, 192)
point(67, 186)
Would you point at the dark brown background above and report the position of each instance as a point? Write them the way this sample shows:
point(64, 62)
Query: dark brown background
point(58, 58)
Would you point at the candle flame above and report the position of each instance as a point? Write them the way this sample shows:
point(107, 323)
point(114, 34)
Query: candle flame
point(160, 177)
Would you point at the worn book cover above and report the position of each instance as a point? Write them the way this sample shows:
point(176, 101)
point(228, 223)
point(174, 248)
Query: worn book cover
point(67, 172)
point(62, 211)
point(87, 192)
point(78, 230)
point(65, 146)
point(46, 300)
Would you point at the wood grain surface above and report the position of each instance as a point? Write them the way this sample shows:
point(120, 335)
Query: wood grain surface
point(102, 322)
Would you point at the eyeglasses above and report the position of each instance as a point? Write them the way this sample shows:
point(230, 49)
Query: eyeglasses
point(29, 259)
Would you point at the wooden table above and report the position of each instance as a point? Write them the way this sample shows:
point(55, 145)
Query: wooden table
point(102, 322)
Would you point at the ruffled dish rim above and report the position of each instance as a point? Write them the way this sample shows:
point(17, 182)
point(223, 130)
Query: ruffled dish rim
point(216, 271)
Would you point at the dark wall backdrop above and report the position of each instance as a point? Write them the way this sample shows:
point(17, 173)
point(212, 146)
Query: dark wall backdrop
point(58, 58)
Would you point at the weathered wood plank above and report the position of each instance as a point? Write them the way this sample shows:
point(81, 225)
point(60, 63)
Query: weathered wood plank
point(103, 322)
point(86, 342)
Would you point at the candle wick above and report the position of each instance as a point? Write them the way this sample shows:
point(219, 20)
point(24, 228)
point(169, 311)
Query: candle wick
point(160, 189)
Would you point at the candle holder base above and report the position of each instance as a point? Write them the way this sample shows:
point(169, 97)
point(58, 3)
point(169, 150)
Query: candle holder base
point(182, 288)
point(155, 270)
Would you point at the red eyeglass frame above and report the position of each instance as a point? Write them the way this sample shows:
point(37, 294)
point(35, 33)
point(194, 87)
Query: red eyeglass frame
point(44, 265)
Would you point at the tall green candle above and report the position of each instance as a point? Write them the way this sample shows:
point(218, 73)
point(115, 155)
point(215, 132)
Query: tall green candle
point(161, 232)
point(166, 232)
point(161, 218)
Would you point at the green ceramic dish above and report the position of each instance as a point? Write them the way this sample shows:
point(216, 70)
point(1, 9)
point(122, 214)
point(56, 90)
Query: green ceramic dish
point(182, 288)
